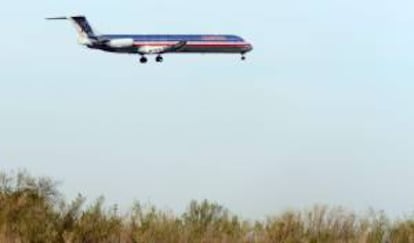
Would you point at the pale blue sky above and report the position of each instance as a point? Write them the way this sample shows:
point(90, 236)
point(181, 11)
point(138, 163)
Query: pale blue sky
point(321, 112)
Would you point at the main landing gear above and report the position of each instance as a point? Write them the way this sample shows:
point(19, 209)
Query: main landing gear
point(159, 59)
point(143, 60)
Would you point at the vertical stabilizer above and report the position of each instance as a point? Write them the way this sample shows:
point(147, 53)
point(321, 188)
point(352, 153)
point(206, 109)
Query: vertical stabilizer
point(82, 26)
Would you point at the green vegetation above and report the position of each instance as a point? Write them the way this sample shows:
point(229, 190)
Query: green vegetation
point(32, 210)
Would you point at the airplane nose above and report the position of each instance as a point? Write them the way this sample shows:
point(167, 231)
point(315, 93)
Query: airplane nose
point(249, 47)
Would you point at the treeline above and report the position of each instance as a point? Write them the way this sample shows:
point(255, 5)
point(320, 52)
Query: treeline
point(32, 210)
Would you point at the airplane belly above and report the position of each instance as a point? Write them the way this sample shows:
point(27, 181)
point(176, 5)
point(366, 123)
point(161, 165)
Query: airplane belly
point(190, 47)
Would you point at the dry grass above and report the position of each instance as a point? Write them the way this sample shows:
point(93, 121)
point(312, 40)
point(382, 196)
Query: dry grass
point(31, 210)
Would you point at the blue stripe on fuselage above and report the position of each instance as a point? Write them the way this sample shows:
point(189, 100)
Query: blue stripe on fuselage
point(221, 38)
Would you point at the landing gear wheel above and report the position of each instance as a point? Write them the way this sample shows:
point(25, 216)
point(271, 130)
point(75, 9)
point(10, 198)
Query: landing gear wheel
point(143, 60)
point(243, 58)
point(159, 59)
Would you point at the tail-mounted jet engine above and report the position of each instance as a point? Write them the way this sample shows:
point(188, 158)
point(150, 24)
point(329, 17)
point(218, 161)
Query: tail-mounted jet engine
point(120, 43)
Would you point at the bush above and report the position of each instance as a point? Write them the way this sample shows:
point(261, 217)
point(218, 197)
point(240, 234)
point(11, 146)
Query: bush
point(32, 210)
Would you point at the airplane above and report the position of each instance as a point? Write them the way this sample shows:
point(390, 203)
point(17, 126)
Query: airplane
point(158, 45)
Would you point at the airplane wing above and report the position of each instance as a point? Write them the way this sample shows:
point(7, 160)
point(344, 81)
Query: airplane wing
point(161, 49)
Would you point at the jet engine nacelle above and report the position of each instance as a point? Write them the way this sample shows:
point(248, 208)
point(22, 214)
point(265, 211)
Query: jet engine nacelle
point(120, 43)
point(84, 41)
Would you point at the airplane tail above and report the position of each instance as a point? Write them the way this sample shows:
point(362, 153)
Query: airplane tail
point(83, 28)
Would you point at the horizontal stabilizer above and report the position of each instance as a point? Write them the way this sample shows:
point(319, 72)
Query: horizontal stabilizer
point(57, 18)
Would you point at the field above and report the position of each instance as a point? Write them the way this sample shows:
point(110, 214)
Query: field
point(32, 210)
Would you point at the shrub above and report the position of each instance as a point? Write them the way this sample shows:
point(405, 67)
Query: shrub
point(33, 211)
